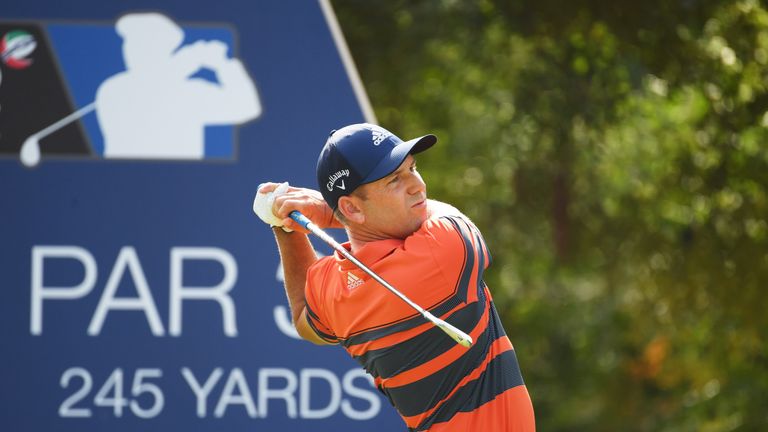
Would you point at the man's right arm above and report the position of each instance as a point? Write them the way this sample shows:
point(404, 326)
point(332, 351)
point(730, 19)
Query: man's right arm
point(297, 255)
point(296, 251)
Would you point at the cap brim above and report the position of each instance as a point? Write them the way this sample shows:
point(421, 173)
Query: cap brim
point(422, 143)
point(398, 154)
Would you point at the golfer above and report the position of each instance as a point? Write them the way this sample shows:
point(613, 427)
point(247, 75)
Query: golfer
point(369, 185)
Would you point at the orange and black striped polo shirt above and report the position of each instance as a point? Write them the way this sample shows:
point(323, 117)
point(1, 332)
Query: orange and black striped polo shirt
point(433, 383)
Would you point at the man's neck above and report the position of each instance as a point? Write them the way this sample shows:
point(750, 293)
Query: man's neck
point(359, 237)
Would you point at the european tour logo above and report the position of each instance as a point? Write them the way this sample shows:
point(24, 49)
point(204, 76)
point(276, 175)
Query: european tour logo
point(150, 89)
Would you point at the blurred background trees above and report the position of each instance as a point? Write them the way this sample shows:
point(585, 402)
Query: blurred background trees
point(615, 155)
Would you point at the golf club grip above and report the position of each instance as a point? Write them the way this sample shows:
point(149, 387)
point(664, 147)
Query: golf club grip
point(457, 335)
point(301, 219)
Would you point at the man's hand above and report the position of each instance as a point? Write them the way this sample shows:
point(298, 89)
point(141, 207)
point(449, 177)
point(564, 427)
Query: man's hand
point(262, 206)
point(307, 201)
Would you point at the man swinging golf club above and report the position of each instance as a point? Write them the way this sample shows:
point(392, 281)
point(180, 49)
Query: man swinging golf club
point(425, 252)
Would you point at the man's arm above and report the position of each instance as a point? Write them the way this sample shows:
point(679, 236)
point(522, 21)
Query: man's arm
point(296, 251)
point(297, 255)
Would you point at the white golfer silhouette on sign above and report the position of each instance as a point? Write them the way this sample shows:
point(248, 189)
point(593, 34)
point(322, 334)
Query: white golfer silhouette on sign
point(157, 108)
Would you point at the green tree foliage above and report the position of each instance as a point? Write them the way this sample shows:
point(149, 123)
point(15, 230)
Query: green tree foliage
point(615, 154)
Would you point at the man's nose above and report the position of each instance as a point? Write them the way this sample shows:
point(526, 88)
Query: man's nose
point(416, 184)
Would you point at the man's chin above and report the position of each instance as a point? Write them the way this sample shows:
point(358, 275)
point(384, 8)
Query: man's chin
point(420, 221)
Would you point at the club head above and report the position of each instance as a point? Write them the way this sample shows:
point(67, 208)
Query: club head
point(30, 152)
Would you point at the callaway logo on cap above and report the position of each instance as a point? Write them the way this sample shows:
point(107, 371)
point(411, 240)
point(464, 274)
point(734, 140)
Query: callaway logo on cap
point(362, 153)
point(338, 175)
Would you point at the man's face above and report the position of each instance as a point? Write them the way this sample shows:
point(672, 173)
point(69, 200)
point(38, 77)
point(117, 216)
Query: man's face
point(396, 205)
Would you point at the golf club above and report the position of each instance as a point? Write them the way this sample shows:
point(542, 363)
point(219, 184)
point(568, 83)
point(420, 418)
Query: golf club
point(30, 150)
point(459, 336)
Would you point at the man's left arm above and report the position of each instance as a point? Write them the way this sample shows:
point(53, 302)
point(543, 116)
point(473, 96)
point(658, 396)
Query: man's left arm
point(437, 209)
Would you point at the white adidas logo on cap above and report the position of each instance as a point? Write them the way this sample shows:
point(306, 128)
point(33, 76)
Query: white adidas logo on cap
point(379, 135)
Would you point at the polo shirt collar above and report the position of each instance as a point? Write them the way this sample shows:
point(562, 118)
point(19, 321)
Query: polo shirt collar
point(370, 253)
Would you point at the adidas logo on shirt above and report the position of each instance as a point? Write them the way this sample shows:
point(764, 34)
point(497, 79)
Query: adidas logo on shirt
point(353, 281)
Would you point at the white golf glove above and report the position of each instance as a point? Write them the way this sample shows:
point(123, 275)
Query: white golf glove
point(262, 206)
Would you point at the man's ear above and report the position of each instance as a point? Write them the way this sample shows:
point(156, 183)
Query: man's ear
point(348, 206)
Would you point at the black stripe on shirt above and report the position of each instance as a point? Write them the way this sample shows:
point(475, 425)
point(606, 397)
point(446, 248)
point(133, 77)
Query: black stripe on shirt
point(482, 246)
point(406, 355)
point(421, 396)
point(311, 318)
point(501, 374)
point(469, 258)
point(467, 230)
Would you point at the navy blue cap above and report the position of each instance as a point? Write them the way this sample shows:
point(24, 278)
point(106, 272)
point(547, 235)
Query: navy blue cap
point(361, 153)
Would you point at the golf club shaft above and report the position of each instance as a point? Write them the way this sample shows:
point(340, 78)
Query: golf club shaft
point(65, 121)
point(459, 336)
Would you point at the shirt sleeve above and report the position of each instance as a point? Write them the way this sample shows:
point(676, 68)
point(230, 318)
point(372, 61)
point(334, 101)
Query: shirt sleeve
point(453, 234)
point(459, 251)
point(314, 297)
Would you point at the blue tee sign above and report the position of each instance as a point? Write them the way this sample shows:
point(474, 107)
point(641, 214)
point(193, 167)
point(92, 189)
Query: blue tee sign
point(139, 291)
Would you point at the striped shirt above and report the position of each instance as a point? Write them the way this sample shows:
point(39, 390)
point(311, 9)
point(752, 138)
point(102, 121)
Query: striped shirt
point(434, 383)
